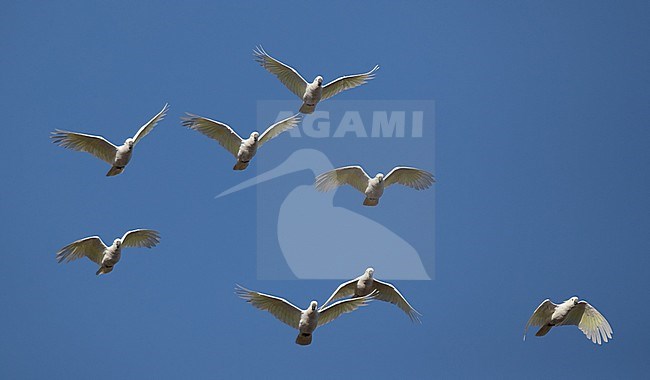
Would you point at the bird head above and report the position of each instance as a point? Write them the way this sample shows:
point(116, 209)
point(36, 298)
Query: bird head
point(313, 305)
point(370, 271)
point(319, 80)
point(575, 300)
point(129, 143)
point(117, 243)
point(380, 177)
point(255, 135)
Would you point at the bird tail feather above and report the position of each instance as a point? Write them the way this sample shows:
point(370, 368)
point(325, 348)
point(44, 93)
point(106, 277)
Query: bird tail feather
point(104, 270)
point(114, 171)
point(306, 108)
point(544, 330)
point(370, 202)
point(240, 165)
point(303, 339)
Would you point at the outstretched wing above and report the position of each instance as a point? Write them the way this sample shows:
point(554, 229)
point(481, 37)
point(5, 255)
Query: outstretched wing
point(141, 238)
point(346, 83)
point(145, 129)
point(351, 175)
point(330, 313)
point(346, 289)
point(278, 128)
point(215, 130)
point(92, 247)
point(285, 73)
point(542, 315)
point(389, 293)
point(590, 322)
point(282, 309)
point(411, 177)
point(95, 145)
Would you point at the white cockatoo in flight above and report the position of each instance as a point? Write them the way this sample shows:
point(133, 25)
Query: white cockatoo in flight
point(314, 92)
point(242, 149)
point(116, 156)
point(373, 188)
point(366, 284)
point(306, 321)
point(571, 312)
point(106, 257)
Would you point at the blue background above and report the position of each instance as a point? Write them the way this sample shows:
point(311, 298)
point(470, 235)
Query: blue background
point(541, 159)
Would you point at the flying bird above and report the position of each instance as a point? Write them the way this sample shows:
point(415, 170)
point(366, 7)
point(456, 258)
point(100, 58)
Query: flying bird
point(309, 93)
point(242, 149)
point(306, 321)
point(373, 188)
point(571, 312)
point(116, 156)
point(106, 257)
point(366, 284)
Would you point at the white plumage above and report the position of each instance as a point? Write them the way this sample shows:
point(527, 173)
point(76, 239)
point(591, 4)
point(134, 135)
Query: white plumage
point(571, 312)
point(366, 284)
point(306, 321)
point(373, 188)
point(116, 156)
point(309, 93)
point(106, 257)
point(243, 149)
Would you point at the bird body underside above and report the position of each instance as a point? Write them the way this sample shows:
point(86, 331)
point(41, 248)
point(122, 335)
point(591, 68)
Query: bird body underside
point(122, 158)
point(373, 192)
point(111, 257)
point(307, 325)
point(364, 287)
point(246, 152)
point(561, 312)
point(312, 96)
point(558, 316)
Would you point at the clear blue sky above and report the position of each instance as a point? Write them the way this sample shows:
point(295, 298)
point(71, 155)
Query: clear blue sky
point(542, 141)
